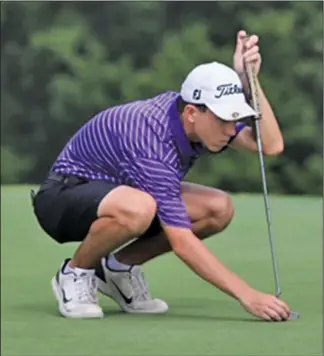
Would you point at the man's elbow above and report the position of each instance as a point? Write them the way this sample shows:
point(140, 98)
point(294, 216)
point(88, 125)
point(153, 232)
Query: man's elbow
point(179, 248)
point(274, 149)
point(180, 239)
point(182, 248)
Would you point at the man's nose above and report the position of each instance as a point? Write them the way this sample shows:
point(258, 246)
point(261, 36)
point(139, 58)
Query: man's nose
point(231, 129)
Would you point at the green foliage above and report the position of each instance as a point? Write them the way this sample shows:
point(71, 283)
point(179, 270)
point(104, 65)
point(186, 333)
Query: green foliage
point(66, 61)
point(13, 167)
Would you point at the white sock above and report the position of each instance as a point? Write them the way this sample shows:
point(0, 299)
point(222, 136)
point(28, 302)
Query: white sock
point(76, 270)
point(116, 265)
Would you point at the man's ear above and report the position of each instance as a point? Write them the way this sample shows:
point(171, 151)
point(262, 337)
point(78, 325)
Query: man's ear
point(191, 113)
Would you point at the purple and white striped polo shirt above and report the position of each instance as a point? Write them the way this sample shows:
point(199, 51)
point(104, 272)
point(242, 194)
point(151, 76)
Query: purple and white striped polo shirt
point(141, 144)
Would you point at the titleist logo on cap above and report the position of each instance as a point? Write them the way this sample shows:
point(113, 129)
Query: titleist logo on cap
point(228, 89)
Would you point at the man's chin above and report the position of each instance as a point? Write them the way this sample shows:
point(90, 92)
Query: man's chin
point(215, 149)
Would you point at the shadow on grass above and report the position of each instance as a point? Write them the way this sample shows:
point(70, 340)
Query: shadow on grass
point(197, 310)
point(40, 310)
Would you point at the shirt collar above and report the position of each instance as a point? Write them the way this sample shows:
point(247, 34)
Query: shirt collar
point(180, 137)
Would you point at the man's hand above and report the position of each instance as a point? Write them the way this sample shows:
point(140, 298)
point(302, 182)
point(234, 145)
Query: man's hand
point(265, 306)
point(247, 51)
point(206, 265)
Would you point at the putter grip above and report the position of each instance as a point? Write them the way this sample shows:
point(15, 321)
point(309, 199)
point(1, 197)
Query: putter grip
point(252, 78)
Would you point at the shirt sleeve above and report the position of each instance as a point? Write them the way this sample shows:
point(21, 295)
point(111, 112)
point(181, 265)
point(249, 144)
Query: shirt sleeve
point(239, 128)
point(161, 182)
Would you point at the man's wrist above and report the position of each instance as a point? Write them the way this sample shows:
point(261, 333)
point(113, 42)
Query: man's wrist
point(244, 294)
point(246, 86)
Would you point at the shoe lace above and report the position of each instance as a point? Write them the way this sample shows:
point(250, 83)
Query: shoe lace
point(86, 288)
point(139, 286)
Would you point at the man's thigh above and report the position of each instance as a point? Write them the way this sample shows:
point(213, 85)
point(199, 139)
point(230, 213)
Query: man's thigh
point(66, 211)
point(201, 201)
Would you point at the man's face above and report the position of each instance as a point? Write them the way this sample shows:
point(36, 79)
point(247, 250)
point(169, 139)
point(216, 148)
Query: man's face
point(213, 132)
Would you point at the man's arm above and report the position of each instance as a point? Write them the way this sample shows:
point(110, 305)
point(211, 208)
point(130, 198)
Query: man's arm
point(200, 259)
point(247, 51)
point(158, 179)
point(192, 251)
point(161, 182)
point(272, 139)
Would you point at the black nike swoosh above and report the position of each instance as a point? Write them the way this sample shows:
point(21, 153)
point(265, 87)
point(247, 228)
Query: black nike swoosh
point(126, 299)
point(65, 300)
point(100, 273)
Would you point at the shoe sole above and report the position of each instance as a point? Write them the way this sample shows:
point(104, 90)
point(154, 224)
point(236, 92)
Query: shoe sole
point(62, 309)
point(124, 307)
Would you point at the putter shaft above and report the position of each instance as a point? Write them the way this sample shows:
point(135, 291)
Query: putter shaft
point(268, 211)
point(252, 78)
point(257, 107)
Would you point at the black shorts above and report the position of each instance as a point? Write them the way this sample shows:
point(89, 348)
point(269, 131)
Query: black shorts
point(66, 207)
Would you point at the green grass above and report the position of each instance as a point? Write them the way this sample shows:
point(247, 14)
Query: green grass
point(201, 321)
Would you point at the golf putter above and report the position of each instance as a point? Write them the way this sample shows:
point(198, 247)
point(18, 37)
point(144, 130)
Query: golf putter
point(252, 78)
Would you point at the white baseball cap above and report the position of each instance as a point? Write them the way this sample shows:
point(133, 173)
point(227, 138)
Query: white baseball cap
point(219, 88)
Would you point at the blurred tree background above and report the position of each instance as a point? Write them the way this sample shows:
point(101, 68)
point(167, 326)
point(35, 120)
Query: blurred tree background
point(61, 62)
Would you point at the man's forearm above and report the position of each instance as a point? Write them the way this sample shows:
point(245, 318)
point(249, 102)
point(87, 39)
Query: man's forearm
point(204, 263)
point(270, 131)
point(271, 135)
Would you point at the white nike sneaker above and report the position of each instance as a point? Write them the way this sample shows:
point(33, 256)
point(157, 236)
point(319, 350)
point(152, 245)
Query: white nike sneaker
point(129, 290)
point(76, 294)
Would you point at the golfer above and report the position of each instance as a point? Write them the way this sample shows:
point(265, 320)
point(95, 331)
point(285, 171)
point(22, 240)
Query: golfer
point(117, 188)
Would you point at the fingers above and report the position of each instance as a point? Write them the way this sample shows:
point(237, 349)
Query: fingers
point(278, 310)
point(281, 313)
point(284, 307)
point(265, 316)
point(252, 56)
point(273, 314)
point(241, 36)
point(243, 40)
point(269, 314)
point(251, 42)
point(267, 307)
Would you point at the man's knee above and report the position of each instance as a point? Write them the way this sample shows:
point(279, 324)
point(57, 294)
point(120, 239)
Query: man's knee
point(221, 210)
point(132, 208)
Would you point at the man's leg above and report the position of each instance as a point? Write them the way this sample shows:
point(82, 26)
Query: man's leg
point(105, 217)
point(211, 211)
point(122, 214)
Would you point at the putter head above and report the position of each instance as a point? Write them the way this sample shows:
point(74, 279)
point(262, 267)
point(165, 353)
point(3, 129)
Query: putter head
point(294, 316)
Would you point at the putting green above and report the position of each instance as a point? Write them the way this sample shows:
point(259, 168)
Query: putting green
point(201, 320)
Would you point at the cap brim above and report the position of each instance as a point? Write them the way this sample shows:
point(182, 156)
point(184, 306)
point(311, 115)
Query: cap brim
point(232, 112)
